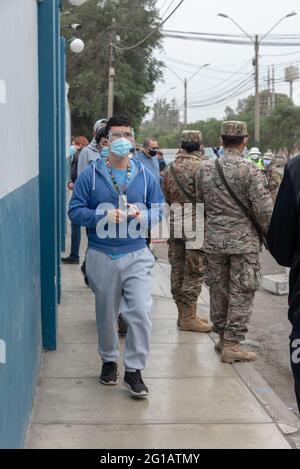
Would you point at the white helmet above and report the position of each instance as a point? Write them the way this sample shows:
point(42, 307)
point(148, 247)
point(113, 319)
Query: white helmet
point(99, 124)
point(254, 151)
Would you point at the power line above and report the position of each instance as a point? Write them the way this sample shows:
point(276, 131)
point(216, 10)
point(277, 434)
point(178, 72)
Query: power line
point(163, 5)
point(168, 8)
point(152, 32)
point(280, 55)
point(172, 59)
point(228, 41)
point(194, 33)
point(225, 94)
point(222, 81)
point(225, 100)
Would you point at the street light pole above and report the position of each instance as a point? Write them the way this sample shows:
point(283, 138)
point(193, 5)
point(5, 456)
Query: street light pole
point(257, 109)
point(256, 64)
point(111, 70)
point(185, 82)
point(185, 90)
point(185, 101)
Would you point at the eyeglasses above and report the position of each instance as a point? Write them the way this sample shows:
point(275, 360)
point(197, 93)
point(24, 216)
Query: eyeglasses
point(153, 148)
point(116, 135)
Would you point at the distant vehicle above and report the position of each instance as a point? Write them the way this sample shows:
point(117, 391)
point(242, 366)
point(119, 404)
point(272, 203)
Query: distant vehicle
point(169, 154)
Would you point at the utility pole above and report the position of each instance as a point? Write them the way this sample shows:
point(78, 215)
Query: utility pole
point(269, 97)
point(255, 63)
point(111, 69)
point(257, 110)
point(273, 88)
point(185, 102)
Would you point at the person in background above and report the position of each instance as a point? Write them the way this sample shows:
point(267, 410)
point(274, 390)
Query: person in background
point(92, 151)
point(186, 256)
point(102, 142)
point(272, 175)
point(161, 162)
point(284, 245)
point(79, 143)
point(254, 155)
point(148, 156)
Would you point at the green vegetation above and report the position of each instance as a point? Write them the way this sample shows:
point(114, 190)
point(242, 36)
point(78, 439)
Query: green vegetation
point(136, 70)
point(280, 128)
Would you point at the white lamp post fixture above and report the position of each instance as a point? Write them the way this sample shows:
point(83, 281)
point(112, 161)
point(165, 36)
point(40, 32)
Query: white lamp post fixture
point(77, 3)
point(77, 46)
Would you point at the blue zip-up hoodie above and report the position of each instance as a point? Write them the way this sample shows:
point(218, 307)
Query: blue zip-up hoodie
point(94, 187)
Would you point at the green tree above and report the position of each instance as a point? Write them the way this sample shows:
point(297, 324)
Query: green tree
point(136, 69)
point(279, 128)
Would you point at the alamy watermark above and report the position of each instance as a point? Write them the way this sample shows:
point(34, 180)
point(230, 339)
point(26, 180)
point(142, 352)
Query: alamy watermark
point(296, 353)
point(2, 351)
point(183, 222)
point(2, 91)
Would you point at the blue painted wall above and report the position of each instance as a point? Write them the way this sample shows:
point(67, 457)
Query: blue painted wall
point(20, 309)
point(31, 201)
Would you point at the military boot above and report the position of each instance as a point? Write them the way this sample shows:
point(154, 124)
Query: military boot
point(220, 344)
point(202, 318)
point(234, 352)
point(179, 306)
point(191, 322)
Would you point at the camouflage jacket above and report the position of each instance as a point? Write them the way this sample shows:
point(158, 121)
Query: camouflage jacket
point(227, 229)
point(186, 166)
point(274, 180)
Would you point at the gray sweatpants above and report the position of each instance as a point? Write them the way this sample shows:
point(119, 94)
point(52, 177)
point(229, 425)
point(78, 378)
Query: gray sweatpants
point(110, 279)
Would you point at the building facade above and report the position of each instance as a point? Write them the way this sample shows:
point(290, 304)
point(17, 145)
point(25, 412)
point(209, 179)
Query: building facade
point(32, 200)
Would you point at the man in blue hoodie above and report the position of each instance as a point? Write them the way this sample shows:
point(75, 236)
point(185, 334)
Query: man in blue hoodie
point(118, 201)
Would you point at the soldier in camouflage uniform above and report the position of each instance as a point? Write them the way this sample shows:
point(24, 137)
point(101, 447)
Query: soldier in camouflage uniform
point(272, 175)
point(231, 242)
point(187, 264)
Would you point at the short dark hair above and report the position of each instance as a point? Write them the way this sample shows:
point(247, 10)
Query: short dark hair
point(148, 140)
point(190, 146)
point(117, 121)
point(100, 134)
point(232, 141)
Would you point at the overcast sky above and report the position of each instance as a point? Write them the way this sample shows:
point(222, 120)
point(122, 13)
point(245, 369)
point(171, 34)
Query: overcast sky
point(256, 17)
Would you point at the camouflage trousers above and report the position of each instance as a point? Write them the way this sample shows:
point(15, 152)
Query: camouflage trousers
point(187, 269)
point(233, 280)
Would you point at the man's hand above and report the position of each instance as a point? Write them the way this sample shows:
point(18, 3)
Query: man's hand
point(70, 185)
point(133, 211)
point(116, 215)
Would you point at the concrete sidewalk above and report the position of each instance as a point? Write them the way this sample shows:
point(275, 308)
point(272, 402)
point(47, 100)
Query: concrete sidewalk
point(195, 402)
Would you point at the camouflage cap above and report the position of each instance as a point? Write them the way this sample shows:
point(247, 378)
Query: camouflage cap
point(191, 136)
point(269, 154)
point(233, 129)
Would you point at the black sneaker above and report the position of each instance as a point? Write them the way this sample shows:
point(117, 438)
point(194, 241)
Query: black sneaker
point(109, 373)
point(122, 325)
point(69, 260)
point(133, 381)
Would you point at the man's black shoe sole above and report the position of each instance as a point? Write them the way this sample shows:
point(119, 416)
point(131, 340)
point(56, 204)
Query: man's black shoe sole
point(108, 383)
point(140, 395)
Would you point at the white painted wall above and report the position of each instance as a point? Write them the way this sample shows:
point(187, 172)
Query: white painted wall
point(18, 94)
